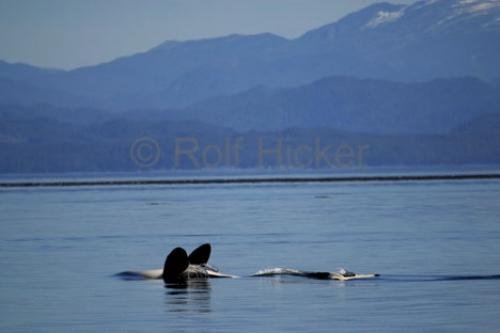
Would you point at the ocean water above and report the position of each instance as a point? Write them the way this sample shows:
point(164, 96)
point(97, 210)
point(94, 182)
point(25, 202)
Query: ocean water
point(60, 249)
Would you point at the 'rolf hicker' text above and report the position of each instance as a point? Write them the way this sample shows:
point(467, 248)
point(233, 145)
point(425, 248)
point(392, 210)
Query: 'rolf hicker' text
point(238, 152)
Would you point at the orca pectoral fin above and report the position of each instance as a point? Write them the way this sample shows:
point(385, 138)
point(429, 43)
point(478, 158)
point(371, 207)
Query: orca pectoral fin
point(175, 264)
point(200, 255)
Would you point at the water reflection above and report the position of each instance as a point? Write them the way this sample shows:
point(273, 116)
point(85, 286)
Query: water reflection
point(189, 296)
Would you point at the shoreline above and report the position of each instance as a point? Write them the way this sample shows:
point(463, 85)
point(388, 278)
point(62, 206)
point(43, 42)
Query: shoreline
point(252, 180)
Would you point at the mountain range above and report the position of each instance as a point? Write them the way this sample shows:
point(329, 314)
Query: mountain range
point(418, 83)
point(353, 105)
point(51, 140)
point(418, 42)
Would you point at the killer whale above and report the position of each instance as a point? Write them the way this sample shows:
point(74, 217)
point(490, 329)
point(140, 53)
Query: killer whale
point(341, 275)
point(180, 267)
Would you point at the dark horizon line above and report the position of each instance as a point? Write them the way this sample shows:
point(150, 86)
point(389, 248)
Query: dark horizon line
point(253, 180)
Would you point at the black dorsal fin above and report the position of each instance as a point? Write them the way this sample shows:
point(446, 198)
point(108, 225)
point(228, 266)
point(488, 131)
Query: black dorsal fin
point(200, 255)
point(175, 264)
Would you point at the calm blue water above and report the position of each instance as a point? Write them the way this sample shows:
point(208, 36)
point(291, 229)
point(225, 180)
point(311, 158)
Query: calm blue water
point(60, 247)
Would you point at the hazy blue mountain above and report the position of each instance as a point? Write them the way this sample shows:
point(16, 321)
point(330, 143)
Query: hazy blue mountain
point(18, 92)
point(344, 103)
point(496, 81)
point(484, 125)
point(48, 140)
point(355, 105)
point(172, 74)
point(24, 72)
point(425, 40)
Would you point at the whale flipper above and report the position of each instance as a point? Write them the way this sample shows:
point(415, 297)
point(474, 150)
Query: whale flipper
point(176, 263)
point(200, 255)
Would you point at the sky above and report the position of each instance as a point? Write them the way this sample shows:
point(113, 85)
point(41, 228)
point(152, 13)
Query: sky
point(68, 34)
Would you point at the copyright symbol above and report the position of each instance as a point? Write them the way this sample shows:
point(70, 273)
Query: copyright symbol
point(145, 152)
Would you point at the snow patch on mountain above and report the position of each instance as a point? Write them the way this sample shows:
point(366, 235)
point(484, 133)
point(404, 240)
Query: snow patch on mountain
point(483, 7)
point(466, 10)
point(476, 6)
point(384, 17)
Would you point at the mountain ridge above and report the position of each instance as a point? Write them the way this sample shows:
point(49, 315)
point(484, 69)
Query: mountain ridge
point(416, 42)
point(352, 104)
point(35, 141)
